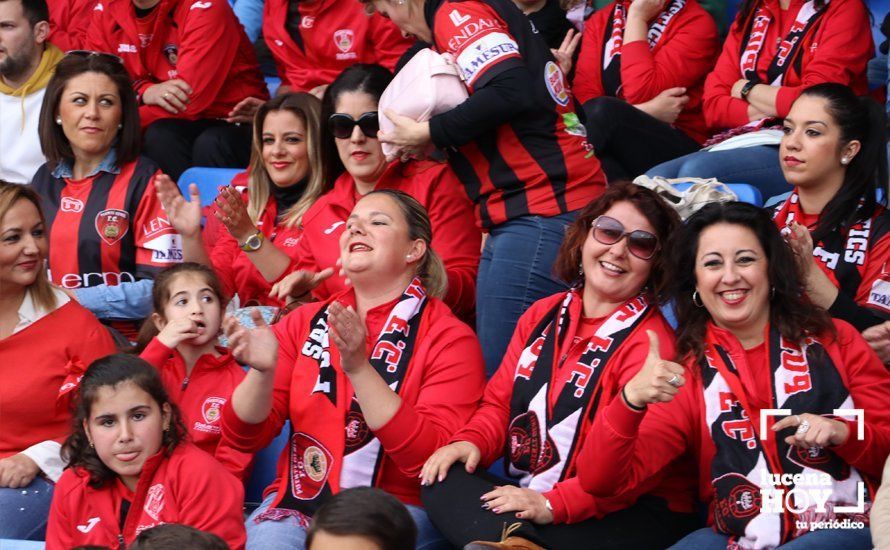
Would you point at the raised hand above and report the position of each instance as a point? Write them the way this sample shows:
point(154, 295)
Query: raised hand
point(349, 335)
point(232, 212)
point(437, 465)
point(645, 9)
point(658, 381)
point(256, 347)
point(177, 331)
point(813, 430)
point(184, 215)
point(296, 286)
point(566, 50)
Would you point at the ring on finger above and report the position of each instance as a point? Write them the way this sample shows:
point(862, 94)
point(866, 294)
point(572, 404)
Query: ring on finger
point(166, 95)
point(803, 428)
point(675, 381)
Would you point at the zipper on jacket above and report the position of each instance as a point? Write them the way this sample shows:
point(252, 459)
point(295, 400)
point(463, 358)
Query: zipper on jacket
point(185, 382)
point(121, 545)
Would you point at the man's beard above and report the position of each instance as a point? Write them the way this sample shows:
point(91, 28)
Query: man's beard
point(14, 66)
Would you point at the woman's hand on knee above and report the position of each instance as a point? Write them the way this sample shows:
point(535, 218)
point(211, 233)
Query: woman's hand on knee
point(17, 471)
point(528, 504)
point(437, 465)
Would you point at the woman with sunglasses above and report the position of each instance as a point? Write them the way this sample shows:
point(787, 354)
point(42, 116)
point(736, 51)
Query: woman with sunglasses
point(191, 64)
point(760, 407)
point(108, 234)
point(259, 242)
point(571, 352)
point(355, 163)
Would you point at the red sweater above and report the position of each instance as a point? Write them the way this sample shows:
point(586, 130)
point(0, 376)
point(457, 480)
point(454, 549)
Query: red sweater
point(333, 35)
point(201, 396)
point(837, 49)
point(439, 393)
point(668, 430)
point(456, 238)
point(187, 487)
point(34, 365)
point(487, 430)
point(200, 42)
point(683, 56)
point(68, 22)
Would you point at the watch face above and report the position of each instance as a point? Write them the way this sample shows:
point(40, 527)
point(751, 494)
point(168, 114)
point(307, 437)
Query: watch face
point(253, 242)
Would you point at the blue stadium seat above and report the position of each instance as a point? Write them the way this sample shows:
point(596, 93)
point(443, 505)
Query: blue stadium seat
point(264, 466)
point(272, 83)
point(208, 180)
point(10, 544)
point(745, 192)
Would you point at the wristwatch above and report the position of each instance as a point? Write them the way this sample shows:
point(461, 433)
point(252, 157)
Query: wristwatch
point(253, 243)
point(746, 89)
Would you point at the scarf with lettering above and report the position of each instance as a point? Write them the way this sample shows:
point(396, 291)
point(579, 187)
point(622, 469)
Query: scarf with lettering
point(804, 379)
point(614, 40)
point(332, 448)
point(542, 440)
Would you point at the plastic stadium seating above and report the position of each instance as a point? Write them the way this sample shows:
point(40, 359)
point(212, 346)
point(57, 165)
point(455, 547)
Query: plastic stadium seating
point(264, 466)
point(208, 180)
point(745, 192)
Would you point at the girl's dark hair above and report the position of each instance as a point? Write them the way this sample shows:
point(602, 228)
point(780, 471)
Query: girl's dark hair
point(747, 8)
point(160, 295)
point(361, 77)
point(790, 311)
point(54, 143)
point(862, 119)
point(662, 217)
point(366, 512)
point(114, 370)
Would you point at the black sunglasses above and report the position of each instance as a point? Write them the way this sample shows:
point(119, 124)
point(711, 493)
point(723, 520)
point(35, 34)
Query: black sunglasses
point(641, 244)
point(91, 53)
point(342, 125)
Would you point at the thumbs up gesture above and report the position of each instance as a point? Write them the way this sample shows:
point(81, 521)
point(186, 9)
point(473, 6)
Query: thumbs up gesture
point(658, 380)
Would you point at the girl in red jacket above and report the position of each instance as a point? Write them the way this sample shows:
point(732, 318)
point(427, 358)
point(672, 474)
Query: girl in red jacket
point(782, 410)
point(571, 353)
point(259, 242)
point(130, 467)
point(180, 340)
point(355, 165)
point(639, 78)
point(372, 380)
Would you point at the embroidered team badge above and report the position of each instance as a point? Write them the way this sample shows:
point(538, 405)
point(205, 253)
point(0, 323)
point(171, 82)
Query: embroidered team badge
point(738, 501)
point(343, 38)
point(154, 501)
point(357, 432)
point(556, 83)
point(112, 225)
point(310, 465)
point(527, 451)
point(171, 52)
point(212, 409)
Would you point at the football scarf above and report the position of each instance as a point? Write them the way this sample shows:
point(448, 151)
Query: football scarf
point(542, 440)
point(614, 40)
point(341, 451)
point(804, 379)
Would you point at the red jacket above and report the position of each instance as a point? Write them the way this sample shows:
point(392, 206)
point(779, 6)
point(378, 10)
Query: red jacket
point(187, 487)
point(439, 392)
point(333, 35)
point(668, 430)
point(456, 238)
point(201, 396)
point(68, 22)
point(837, 49)
point(487, 430)
point(683, 56)
point(37, 362)
point(198, 41)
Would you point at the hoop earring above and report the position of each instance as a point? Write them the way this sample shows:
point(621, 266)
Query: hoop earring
point(696, 299)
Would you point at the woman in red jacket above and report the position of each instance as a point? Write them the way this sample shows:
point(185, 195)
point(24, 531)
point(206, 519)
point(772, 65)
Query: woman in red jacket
point(191, 64)
point(762, 403)
point(261, 234)
point(373, 380)
point(775, 49)
point(355, 165)
point(130, 466)
point(571, 352)
point(639, 78)
point(45, 340)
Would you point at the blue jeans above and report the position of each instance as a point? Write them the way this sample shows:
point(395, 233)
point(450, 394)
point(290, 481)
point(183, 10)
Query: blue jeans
point(515, 271)
point(287, 534)
point(826, 539)
point(24, 511)
point(757, 166)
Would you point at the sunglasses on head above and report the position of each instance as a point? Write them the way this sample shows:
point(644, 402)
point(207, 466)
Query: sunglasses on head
point(342, 125)
point(91, 53)
point(641, 244)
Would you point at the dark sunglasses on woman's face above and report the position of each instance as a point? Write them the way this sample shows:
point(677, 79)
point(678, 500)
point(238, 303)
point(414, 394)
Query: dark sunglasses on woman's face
point(91, 53)
point(341, 124)
point(641, 244)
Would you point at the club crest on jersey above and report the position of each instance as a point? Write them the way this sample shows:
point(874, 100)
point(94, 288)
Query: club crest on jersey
point(556, 83)
point(171, 52)
point(212, 408)
point(154, 501)
point(112, 225)
point(343, 39)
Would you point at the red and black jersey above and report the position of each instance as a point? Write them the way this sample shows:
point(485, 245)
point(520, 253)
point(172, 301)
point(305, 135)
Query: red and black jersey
point(108, 228)
point(539, 163)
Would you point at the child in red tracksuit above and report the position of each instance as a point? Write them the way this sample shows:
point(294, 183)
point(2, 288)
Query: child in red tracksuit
point(198, 375)
point(131, 468)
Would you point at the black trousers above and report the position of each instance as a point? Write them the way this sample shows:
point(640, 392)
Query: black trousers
point(628, 142)
point(455, 509)
point(177, 144)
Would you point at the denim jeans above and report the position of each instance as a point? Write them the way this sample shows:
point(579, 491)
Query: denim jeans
point(757, 166)
point(24, 511)
point(826, 539)
point(515, 271)
point(287, 534)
